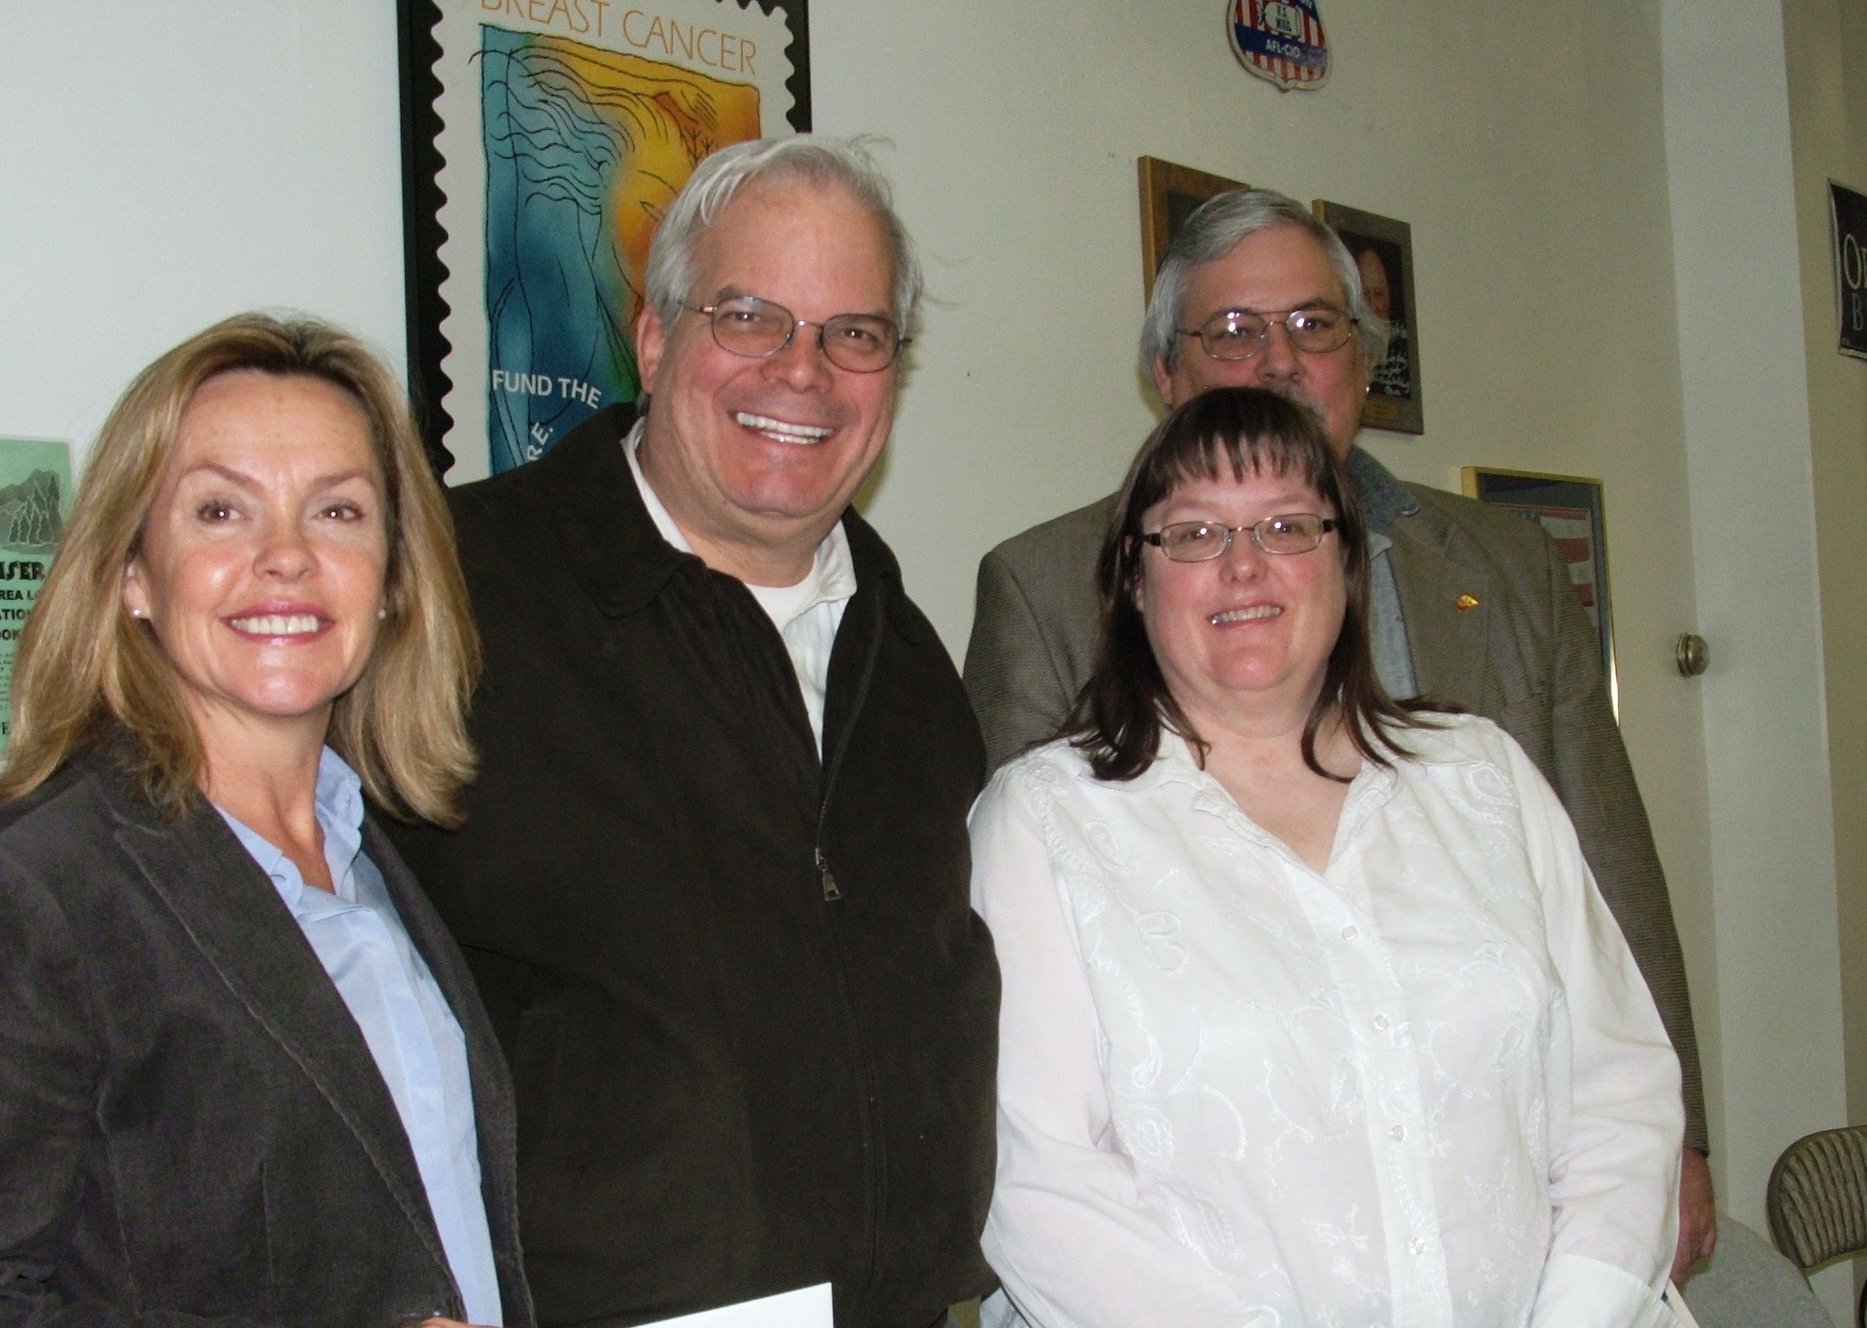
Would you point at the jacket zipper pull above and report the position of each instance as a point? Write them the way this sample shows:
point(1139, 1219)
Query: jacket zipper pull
point(829, 881)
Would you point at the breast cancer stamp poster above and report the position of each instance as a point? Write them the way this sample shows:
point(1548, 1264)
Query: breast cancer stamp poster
point(565, 128)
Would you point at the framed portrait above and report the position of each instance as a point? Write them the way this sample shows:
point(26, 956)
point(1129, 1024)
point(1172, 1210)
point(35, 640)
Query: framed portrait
point(1570, 509)
point(1169, 194)
point(1383, 249)
point(541, 141)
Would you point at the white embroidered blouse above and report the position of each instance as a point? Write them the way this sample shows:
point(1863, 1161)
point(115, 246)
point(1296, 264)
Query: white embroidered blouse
point(1425, 1088)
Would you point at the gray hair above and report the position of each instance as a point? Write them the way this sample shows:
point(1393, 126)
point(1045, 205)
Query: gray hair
point(800, 158)
point(1213, 231)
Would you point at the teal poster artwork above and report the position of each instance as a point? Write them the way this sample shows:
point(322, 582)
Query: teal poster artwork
point(575, 146)
point(35, 498)
point(564, 132)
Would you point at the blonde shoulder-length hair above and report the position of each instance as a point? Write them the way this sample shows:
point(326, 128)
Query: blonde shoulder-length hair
point(86, 668)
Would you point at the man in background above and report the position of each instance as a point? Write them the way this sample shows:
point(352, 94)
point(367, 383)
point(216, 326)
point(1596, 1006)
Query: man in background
point(1470, 606)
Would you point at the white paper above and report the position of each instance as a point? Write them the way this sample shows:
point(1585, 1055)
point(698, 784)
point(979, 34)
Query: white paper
point(808, 1308)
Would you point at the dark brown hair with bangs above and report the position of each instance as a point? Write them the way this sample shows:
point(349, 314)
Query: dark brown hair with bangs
point(1241, 431)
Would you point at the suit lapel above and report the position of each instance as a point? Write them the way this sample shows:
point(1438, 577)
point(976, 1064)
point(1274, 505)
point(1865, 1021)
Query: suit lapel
point(235, 917)
point(1444, 601)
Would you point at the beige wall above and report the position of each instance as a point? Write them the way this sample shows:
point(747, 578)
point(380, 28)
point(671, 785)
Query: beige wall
point(1827, 50)
point(1746, 412)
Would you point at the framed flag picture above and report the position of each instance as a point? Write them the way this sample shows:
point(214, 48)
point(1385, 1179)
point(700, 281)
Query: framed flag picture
point(1570, 510)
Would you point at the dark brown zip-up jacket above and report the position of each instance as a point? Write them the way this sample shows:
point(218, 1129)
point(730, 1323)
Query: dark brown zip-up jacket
point(751, 1018)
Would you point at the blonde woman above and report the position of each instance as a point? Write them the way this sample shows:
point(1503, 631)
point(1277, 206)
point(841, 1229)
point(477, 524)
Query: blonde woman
point(247, 1077)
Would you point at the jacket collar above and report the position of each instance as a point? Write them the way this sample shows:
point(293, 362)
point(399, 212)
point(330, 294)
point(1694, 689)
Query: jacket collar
point(1384, 499)
point(244, 932)
point(1436, 570)
point(1447, 600)
point(609, 540)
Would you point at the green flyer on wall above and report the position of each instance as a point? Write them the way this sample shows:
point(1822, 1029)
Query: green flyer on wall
point(35, 496)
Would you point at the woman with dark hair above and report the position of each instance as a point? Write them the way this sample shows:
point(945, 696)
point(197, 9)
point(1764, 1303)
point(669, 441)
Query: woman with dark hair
point(1312, 1014)
point(244, 1076)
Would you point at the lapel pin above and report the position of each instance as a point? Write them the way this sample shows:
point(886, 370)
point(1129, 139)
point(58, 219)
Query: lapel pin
point(1464, 602)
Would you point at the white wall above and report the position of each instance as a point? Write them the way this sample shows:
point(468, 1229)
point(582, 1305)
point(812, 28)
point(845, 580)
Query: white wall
point(164, 165)
point(1826, 42)
point(1750, 472)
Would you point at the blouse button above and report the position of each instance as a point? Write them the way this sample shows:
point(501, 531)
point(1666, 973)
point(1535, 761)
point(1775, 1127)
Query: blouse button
point(1418, 1246)
point(1380, 1023)
point(1350, 932)
point(1397, 1133)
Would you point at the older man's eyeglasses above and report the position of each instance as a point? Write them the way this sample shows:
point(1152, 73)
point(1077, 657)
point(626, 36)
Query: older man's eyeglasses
point(1238, 334)
point(1202, 541)
point(758, 329)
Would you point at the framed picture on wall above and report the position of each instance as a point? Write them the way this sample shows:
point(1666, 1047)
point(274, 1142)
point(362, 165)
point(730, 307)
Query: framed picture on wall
point(1383, 250)
point(1570, 509)
point(1847, 214)
point(1169, 194)
point(540, 144)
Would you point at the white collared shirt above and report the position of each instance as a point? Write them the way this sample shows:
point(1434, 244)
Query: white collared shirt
point(405, 1020)
point(1423, 1088)
point(807, 615)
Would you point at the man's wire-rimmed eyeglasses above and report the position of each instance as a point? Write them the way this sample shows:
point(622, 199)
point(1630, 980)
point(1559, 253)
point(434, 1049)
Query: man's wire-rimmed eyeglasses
point(758, 329)
point(1238, 334)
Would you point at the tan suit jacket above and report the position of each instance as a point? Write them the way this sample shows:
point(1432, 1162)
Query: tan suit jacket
point(1524, 656)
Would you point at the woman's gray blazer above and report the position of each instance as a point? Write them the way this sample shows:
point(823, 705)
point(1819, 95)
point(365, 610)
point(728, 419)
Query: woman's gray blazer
point(192, 1128)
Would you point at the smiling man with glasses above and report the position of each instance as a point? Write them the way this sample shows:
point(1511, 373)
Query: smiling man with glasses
point(1469, 606)
point(713, 878)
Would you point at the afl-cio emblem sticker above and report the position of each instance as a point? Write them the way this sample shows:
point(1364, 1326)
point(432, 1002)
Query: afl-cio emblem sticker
point(1281, 40)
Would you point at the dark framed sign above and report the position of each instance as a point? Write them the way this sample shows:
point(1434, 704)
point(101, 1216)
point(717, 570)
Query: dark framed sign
point(1847, 212)
point(1571, 510)
point(541, 140)
point(1383, 249)
point(1169, 195)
